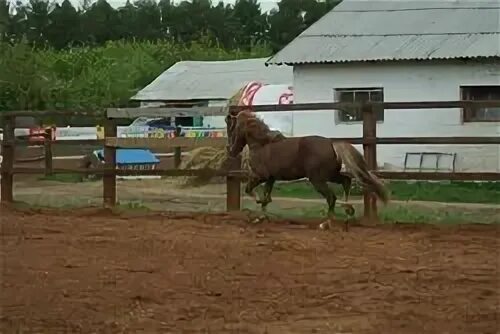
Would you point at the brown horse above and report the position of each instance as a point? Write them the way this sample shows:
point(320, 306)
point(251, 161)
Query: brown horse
point(313, 157)
point(342, 178)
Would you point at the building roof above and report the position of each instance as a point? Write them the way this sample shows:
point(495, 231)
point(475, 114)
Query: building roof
point(211, 80)
point(398, 30)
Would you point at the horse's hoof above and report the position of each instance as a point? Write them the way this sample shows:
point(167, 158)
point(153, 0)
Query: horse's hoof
point(255, 221)
point(326, 225)
point(349, 209)
point(260, 219)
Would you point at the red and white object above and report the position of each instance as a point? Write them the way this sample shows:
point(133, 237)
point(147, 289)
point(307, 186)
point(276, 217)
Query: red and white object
point(256, 93)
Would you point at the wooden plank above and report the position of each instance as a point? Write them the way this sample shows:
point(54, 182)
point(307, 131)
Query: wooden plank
point(156, 172)
point(222, 111)
point(441, 104)
point(458, 176)
point(7, 181)
point(233, 186)
point(370, 154)
point(48, 152)
point(217, 142)
point(72, 142)
point(43, 113)
point(438, 140)
point(165, 112)
point(386, 105)
point(109, 180)
point(151, 143)
point(177, 150)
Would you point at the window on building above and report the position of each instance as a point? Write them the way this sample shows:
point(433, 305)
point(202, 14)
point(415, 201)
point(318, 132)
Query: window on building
point(481, 93)
point(359, 95)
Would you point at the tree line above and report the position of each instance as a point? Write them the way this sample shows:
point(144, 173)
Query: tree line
point(242, 25)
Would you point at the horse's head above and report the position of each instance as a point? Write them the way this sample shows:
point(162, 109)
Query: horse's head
point(236, 132)
point(245, 128)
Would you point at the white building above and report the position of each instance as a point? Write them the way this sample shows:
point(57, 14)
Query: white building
point(403, 51)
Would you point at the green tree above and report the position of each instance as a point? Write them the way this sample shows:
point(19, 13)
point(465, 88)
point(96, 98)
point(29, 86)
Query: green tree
point(37, 21)
point(148, 20)
point(293, 17)
point(252, 24)
point(64, 26)
point(100, 23)
point(4, 19)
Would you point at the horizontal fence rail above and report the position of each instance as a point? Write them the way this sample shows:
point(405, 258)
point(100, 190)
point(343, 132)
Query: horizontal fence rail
point(222, 111)
point(334, 106)
point(190, 143)
point(390, 175)
point(221, 142)
point(234, 175)
point(183, 142)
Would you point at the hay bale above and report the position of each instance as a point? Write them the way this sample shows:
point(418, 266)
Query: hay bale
point(208, 157)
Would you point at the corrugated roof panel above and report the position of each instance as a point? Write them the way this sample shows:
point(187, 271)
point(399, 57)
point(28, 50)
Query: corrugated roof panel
point(350, 5)
point(371, 48)
point(211, 80)
point(397, 30)
point(428, 21)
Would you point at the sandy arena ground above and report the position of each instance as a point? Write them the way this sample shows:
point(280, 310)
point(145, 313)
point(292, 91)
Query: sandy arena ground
point(92, 272)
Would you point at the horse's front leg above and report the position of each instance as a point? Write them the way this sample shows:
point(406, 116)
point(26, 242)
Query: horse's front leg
point(252, 183)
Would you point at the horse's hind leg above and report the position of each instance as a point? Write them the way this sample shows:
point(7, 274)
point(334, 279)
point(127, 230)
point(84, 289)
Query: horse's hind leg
point(327, 193)
point(346, 182)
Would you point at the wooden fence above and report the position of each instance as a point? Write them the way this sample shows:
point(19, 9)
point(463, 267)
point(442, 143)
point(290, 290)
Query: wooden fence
point(369, 140)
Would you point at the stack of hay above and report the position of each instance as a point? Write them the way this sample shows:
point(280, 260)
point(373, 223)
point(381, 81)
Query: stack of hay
point(212, 158)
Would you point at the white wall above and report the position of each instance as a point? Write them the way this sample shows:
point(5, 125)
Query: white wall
point(402, 82)
point(215, 121)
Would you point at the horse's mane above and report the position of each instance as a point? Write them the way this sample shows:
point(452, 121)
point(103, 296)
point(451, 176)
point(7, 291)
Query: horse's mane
point(255, 127)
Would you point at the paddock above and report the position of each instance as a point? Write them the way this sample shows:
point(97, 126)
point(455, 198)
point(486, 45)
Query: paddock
point(93, 271)
point(150, 256)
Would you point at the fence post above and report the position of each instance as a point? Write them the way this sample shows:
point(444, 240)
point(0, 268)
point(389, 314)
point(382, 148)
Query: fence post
point(177, 150)
point(48, 152)
point(370, 154)
point(8, 148)
point(109, 178)
point(233, 186)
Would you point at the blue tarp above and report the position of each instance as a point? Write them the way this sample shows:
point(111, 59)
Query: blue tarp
point(131, 156)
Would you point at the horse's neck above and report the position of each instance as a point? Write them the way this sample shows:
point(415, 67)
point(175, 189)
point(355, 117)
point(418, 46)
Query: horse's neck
point(257, 142)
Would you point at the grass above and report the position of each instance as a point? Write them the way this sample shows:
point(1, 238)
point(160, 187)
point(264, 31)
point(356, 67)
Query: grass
point(452, 192)
point(65, 178)
point(448, 191)
point(393, 214)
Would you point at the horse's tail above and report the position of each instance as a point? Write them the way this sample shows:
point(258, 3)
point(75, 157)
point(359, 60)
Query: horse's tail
point(356, 164)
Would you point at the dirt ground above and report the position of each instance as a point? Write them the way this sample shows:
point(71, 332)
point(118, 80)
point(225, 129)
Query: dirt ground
point(88, 271)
